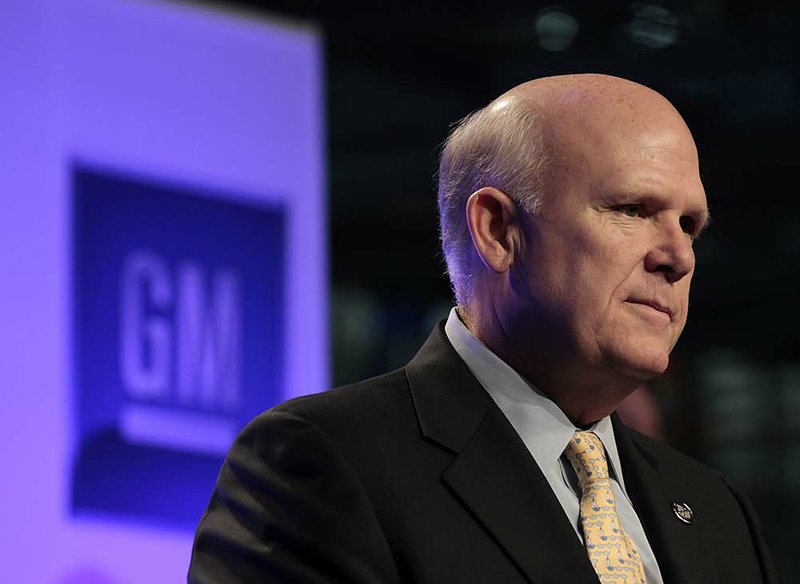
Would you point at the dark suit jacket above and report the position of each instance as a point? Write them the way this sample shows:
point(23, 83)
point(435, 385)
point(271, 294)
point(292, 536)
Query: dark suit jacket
point(416, 476)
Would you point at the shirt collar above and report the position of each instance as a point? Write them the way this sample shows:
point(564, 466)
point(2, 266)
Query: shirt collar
point(540, 423)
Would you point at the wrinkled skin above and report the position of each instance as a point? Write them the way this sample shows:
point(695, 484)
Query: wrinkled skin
point(595, 291)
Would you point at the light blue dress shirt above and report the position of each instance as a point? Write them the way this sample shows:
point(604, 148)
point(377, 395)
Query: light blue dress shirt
point(546, 431)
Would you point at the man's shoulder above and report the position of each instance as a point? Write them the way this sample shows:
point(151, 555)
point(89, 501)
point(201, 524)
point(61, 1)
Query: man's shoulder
point(374, 394)
point(360, 409)
point(670, 460)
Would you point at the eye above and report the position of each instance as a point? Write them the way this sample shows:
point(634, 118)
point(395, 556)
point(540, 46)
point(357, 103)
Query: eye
point(630, 210)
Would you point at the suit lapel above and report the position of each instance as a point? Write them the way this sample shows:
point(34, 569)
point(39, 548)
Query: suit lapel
point(495, 477)
point(492, 473)
point(681, 550)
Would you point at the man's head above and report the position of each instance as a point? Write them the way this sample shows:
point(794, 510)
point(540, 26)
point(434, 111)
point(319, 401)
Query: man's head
point(573, 260)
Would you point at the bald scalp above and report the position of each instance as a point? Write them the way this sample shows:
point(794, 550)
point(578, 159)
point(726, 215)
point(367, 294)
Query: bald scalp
point(514, 143)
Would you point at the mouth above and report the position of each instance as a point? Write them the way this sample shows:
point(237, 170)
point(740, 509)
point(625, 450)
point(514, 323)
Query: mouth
point(653, 304)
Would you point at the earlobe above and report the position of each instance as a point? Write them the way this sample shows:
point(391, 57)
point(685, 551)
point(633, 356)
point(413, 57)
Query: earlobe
point(492, 220)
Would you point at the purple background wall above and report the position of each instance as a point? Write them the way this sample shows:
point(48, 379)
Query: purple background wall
point(216, 120)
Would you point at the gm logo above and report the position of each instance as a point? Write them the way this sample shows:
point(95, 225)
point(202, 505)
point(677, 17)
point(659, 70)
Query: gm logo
point(179, 347)
point(177, 339)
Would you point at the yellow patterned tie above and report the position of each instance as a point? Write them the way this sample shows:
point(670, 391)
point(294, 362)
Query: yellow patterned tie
point(610, 550)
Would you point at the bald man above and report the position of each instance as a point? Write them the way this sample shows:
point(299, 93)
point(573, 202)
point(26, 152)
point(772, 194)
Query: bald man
point(569, 208)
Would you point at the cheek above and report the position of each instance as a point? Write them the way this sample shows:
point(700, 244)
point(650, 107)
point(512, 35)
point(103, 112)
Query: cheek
point(607, 276)
point(583, 270)
point(683, 295)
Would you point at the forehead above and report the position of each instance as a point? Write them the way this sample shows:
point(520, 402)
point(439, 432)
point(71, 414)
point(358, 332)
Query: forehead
point(642, 120)
point(641, 146)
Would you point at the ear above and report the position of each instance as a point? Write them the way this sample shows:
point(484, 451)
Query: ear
point(493, 225)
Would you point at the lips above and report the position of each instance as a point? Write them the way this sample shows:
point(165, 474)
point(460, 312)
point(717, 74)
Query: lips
point(654, 304)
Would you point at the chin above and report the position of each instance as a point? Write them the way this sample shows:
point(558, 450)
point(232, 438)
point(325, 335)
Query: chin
point(647, 370)
point(642, 364)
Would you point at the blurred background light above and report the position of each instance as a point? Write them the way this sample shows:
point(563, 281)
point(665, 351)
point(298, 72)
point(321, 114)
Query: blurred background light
point(556, 29)
point(654, 27)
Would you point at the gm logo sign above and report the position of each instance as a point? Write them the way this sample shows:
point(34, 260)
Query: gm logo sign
point(177, 339)
point(189, 360)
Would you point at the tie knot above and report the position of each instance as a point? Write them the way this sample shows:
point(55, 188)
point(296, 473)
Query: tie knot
point(587, 456)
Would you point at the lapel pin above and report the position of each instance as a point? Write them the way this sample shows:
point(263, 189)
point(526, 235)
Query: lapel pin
point(683, 512)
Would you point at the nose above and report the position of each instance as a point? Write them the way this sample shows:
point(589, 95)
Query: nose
point(672, 254)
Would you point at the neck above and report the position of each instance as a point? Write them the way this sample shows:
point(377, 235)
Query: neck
point(585, 393)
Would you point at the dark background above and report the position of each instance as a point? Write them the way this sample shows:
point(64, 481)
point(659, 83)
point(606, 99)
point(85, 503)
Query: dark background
point(399, 73)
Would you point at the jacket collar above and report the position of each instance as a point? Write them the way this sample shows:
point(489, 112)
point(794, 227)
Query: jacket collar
point(492, 473)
